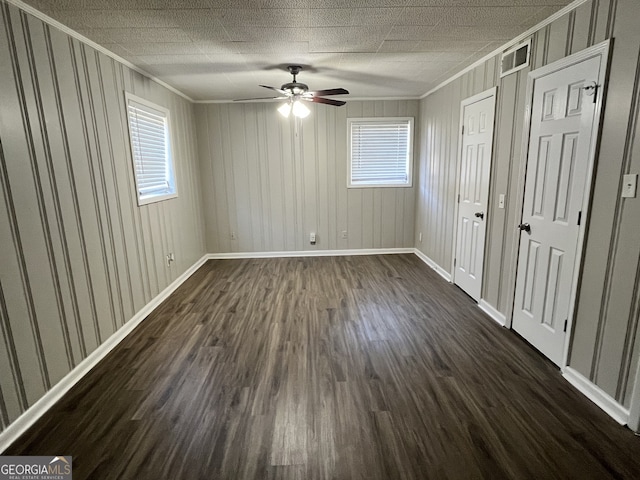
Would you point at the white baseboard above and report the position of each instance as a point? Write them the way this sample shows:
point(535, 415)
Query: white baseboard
point(492, 312)
point(441, 271)
point(596, 395)
point(33, 413)
point(309, 253)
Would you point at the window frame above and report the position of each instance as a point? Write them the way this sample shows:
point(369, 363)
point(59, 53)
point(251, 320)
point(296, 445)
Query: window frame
point(380, 120)
point(169, 161)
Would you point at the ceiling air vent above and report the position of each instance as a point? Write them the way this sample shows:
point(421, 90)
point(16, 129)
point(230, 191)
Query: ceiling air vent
point(516, 58)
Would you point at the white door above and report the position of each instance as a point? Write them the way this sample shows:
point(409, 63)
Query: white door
point(559, 162)
point(473, 191)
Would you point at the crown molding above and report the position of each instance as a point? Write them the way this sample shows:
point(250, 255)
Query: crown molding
point(356, 99)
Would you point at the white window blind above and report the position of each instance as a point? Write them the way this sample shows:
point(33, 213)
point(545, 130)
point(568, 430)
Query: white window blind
point(380, 152)
point(149, 132)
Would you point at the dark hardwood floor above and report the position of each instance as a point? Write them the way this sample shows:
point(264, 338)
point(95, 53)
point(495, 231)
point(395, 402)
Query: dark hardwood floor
point(368, 367)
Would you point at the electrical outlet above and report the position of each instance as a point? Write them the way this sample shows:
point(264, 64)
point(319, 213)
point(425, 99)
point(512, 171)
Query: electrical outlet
point(501, 201)
point(344, 235)
point(420, 237)
point(312, 238)
point(629, 185)
point(233, 236)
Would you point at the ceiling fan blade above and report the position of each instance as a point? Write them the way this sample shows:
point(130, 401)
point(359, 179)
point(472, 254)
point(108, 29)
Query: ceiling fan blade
point(259, 98)
point(274, 89)
point(327, 101)
point(331, 91)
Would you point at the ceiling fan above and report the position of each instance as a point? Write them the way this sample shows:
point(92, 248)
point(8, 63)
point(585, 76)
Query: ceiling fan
point(295, 91)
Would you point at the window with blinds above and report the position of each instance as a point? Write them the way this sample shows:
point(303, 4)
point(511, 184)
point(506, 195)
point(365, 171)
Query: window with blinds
point(380, 152)
point(151, 152)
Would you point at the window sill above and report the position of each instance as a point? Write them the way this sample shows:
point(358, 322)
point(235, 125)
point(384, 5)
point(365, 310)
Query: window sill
point(156, 198)
point(382, 185)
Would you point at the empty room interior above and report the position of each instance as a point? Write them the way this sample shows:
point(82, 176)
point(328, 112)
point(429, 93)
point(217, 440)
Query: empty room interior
point(324, 239)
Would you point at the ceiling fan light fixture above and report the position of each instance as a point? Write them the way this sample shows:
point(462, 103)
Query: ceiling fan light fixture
point(300, 110)
point(295, 91)
point(285, 109)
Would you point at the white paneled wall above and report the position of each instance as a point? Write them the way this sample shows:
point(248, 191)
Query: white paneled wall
point(268, 182)
point(79, 258)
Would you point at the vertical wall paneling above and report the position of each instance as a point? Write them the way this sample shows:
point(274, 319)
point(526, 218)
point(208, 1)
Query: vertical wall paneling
point(113, 208)
point(274, 181)
point(89, 195)
point(580, 36)
point(144, 244)
point(604, 344)
point(125, 187)
point(80, 258)
point(67, 201)
point(602, 20)
point(514, 191)
point(28, 235)
point(631, 214)
point(559, 35)
point(39, 66)
point(616, 325)
point(602, 322)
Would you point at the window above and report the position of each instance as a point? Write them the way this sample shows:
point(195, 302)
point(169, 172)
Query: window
point(150, 150)
point(380, 152)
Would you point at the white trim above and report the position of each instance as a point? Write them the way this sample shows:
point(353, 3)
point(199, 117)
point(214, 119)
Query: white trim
point(439, 270)
point(490, 93)
point(598, 396)
point(492, 312)
point(510, 43)
point(309, 253)
point(54, 23)
point(354, 99)
point(33, 413)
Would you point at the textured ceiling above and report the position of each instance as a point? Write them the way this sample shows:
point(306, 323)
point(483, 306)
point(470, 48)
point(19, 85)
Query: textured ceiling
point(222, 50)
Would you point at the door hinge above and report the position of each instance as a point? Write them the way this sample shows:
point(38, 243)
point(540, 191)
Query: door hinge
point(462, 129)
point(458, 198)
point(454, 262)
point(579, 217)
point(565, 325)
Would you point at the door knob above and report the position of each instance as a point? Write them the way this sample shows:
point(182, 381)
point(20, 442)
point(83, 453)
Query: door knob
point(525, 226)
point(479, 214)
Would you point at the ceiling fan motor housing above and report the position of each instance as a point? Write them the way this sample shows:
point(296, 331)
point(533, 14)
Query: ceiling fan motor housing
point(295, 88)
point(294, 91)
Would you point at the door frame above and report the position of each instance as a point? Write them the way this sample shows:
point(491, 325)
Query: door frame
point(492, 92)
point(601, 50)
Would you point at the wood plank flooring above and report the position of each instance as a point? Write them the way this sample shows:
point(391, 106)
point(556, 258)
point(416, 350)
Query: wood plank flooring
point(367, 367)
